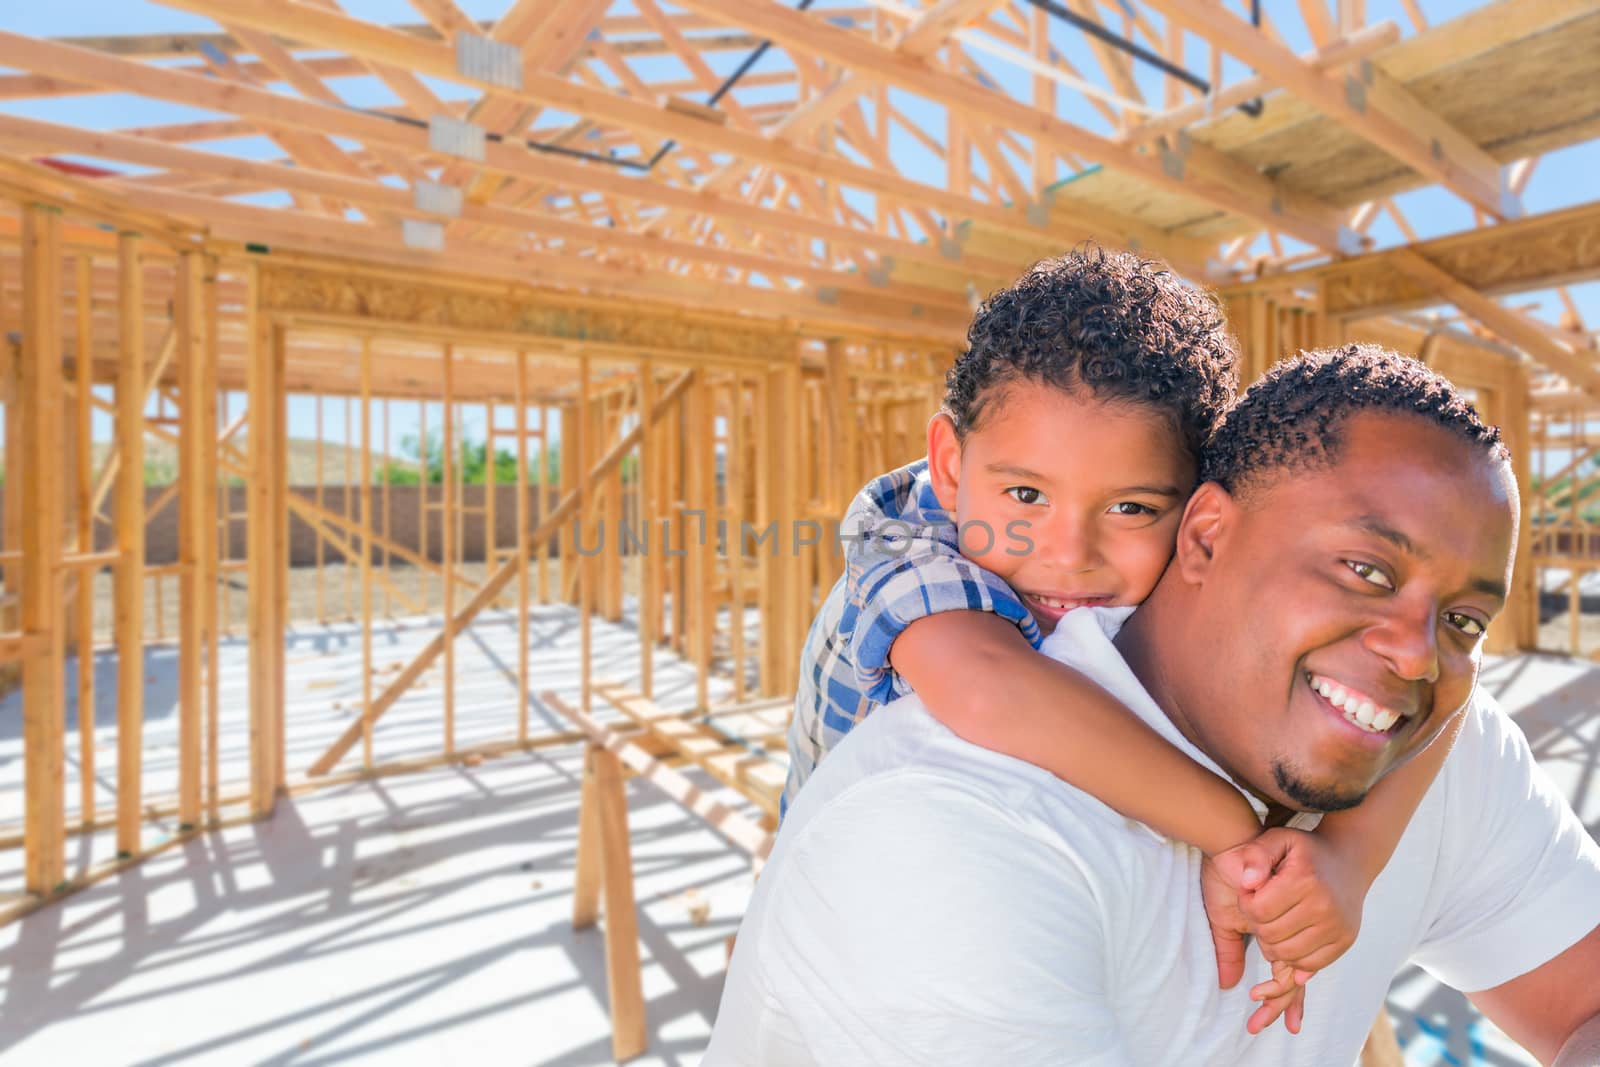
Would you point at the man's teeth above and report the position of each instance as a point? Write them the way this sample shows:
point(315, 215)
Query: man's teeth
point(1052, 602)
point(1357, 709)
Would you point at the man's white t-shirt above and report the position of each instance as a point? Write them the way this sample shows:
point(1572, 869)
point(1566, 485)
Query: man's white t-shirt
point(929, 901)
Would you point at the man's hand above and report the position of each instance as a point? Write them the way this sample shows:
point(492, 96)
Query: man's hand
point(1300, 901)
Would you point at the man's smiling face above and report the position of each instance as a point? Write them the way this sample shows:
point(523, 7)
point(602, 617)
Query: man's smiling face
point(1341, 609)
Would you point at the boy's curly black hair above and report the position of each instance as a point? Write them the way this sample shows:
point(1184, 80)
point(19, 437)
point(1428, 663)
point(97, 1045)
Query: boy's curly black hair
point(1122, 327)
point(1292, 418)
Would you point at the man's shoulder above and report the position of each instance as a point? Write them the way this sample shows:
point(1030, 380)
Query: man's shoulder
point(900, 765)
point(903, 802)
point(1491, 750)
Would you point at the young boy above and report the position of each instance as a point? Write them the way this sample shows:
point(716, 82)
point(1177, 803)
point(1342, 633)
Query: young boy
point(1055, 478)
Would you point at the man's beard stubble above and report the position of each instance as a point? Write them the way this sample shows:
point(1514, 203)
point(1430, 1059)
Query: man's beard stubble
point(1309, 797)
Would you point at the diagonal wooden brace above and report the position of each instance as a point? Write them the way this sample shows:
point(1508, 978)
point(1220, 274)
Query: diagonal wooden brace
point(492, 586)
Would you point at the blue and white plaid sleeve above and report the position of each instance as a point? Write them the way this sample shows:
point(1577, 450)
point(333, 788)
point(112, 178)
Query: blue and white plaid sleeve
point(903, 563)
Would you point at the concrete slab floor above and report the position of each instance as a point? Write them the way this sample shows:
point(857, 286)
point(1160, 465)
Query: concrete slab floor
point(425, 919)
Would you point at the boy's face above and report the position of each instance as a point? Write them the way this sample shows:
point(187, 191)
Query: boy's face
point(1072, 500)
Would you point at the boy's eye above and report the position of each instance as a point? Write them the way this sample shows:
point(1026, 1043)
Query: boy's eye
point(1129, 507)
point(1370, 573)
point(1025, 494)
point(1465, 623)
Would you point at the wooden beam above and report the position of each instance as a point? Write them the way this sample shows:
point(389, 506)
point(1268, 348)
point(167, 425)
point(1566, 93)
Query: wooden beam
point(366, 549)
point(493, 584)
point(1576, 368)
point(1535, 252)
point(82, 453)
point(1367, 102)
point(744, 832)
point(328, 525)
point(113, 461)
point(1336, 53)
point(371, 193)
point(194, 449)
point(550, 37)
point(755, 775)
point(922, 37)
point(699, 453)
point(11, 491)
point(250, 223)
point(310, 85)
point(583, 444)
point(648, 508)
point(505, 159)
point(213, 463)
point(932, 27)
point(524, 607)
point(628, 1037)
point(1234, 187)
point(311, 512)
point(187, 45)
point(279, 517)
point(376, 42)
point(131, 542)
point(586, 864)
point(1114, 62)
point(34, 184)
point(43, 707)
point(449, 515)
point(264, 550)
point(445, 18)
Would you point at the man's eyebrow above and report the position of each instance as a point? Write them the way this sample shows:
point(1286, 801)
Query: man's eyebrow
point(1493, 587)
point(1372, 524)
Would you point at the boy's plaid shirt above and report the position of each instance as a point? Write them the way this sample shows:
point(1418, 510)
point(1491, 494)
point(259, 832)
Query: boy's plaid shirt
point(902, 562)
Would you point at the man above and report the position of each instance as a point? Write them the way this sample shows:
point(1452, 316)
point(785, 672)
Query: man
point(929, 901)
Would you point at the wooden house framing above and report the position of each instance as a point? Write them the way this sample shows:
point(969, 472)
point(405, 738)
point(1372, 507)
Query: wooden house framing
point(678, 234)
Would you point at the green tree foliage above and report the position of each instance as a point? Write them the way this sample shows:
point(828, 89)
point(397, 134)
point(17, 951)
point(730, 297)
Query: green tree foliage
point(472, 463)
point(159, 472)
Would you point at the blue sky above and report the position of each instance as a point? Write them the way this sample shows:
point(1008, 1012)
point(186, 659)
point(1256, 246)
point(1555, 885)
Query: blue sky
point(1562, 179)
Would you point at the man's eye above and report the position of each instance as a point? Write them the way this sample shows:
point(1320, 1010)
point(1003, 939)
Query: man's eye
point(1129, 507)
point(1465, 623)
point(1370, 573)
point(1025, 494)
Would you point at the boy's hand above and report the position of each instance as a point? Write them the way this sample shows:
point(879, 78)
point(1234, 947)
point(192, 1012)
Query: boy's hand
point(1283, 994)
point(1301, 901)
point(1224, 880)
point(1224, 883)
point(1307, 913)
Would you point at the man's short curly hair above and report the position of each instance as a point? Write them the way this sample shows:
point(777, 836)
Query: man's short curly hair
point(1122, 327)
point(1292, 419)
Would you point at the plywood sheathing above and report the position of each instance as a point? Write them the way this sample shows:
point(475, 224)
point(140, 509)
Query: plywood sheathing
point(1518, 80)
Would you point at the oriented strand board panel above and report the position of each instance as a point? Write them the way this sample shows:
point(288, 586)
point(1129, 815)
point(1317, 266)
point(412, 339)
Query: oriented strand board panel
point(1517, 79)
point(1532, 95)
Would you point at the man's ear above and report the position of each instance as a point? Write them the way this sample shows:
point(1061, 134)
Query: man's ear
point(944, 460)
point(1206, 521)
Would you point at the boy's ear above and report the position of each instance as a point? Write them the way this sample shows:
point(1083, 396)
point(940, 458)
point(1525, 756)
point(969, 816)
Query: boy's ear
point(944, 460)
point(1206, 522)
